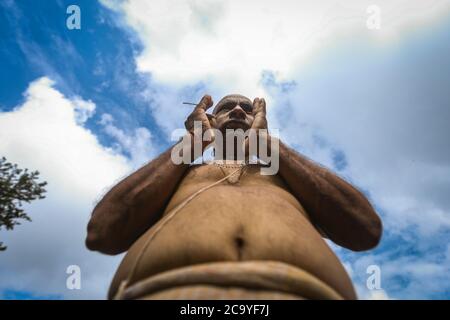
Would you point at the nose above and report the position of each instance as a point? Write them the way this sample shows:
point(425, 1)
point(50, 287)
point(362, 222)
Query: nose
point(238, 113)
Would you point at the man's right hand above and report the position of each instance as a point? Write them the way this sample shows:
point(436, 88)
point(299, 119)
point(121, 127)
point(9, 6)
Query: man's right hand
point(199, 114)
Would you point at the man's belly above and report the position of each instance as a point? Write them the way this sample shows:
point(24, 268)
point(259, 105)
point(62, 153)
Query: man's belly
point(235, 223)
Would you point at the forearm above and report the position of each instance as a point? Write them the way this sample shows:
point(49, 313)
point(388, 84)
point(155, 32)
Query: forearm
point(133, 205)
point(341, 211)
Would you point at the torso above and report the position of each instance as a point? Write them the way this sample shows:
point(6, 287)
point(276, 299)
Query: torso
point(255, 219)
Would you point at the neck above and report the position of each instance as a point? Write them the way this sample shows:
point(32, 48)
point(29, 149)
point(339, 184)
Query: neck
point(233, 155)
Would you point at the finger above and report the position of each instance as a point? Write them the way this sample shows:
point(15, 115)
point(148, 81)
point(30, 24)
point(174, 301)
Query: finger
point(262, 105)
point(259, 106)
point(192, 120)
point(255, 105)
point(205, 103)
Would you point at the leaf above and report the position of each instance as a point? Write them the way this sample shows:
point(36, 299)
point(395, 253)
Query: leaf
point(17, 186)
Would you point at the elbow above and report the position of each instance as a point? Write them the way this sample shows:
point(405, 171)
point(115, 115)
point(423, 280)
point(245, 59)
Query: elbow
point(370, 235)
point(375, 232)
point(355, 224)
point(95, 241)
point(92, 242)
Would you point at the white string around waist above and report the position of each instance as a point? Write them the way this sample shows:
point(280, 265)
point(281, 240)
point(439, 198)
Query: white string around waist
point(163, 222)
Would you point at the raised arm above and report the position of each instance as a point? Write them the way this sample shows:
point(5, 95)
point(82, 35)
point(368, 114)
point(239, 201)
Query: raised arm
point(133, 205)
point(335, 206)
point(137, 202)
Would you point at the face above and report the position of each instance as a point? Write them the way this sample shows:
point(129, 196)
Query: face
point(234, 112)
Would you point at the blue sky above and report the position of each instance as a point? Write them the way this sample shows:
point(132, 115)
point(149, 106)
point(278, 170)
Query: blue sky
point(86, 107)
point(87, 63)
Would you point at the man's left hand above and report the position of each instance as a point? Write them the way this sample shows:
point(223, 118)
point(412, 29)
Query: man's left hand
point(259, 114)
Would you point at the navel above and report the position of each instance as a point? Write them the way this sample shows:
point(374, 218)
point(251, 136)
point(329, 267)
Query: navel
point(239, 243)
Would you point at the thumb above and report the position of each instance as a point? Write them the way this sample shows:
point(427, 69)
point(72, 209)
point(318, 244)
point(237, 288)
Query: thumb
point(205, 103)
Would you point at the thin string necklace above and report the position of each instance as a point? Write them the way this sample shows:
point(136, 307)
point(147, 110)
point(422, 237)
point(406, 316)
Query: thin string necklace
point(226, 165)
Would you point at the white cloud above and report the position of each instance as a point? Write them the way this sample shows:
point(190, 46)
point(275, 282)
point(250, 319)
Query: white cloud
point(83, 110)
point(226, 45)
point(138, 145)
point(45, 134)
point(231, 42)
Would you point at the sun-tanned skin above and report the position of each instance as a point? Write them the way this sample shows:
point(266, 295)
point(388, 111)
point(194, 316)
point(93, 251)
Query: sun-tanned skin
point(279, 217)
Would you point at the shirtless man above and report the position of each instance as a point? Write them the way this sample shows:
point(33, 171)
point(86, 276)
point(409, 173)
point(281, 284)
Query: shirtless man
point(281, 218)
